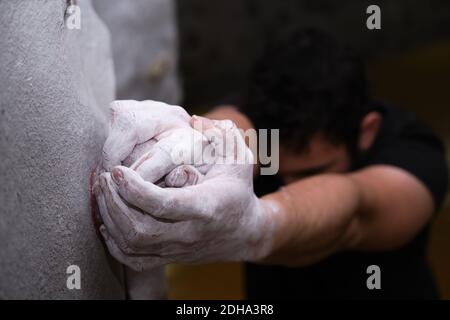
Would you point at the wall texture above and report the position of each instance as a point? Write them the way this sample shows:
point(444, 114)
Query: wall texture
point(54, 91)
point(144, 46)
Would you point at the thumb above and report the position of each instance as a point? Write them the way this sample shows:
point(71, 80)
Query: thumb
point(182, 176)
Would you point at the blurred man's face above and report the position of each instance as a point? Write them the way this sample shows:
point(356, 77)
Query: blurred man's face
point(320, 157)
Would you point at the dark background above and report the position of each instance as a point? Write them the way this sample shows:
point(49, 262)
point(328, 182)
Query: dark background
point(408, 64)
point(219, 39)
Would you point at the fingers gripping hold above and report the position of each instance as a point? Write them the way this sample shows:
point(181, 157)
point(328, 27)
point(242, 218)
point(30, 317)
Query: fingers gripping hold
point(132, 123)
point(228, 142)
point(182, 176)
point(135, 262)
point(169, 203)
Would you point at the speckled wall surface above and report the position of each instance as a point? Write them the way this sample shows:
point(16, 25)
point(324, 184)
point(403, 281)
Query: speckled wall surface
point(55, 87)
point(144, 46)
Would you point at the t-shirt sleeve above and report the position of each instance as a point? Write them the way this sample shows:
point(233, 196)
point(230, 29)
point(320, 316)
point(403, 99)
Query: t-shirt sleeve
point(423, 158)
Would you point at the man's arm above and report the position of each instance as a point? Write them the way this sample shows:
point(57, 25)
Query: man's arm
point(378, 208)
point(221, 219)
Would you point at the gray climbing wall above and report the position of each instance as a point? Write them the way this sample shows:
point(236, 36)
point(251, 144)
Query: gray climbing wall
point(54, 91)
point(144, 45)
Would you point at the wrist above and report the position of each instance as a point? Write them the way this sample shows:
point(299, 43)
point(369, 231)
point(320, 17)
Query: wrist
point(265, 224)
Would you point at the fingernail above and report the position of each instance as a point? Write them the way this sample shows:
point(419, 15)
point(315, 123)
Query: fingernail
point(117, 176)
point(178, 179)
point(103, 232)
point(193, 121)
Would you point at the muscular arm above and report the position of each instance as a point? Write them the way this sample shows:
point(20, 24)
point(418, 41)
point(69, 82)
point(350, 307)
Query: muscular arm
point(374, 209)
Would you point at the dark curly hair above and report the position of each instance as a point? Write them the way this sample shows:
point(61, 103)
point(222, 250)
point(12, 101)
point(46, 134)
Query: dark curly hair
point(308, 84)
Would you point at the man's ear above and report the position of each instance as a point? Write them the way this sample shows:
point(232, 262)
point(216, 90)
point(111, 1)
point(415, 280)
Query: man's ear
point(368, 131)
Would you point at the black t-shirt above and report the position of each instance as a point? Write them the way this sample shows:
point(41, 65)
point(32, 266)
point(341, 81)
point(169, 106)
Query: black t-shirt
point(403, 142)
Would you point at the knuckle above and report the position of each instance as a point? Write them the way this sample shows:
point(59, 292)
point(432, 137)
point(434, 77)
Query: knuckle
point(124, 247)
point(116, 106)
point(178, 110)
point(125, 119)
point(181, 112)
point(157, 211)
point(156, 236)
point(134, 240)
point(127, 248)
point(105, 155)
point(226, 125)
point(139, 238)
point(230, 124)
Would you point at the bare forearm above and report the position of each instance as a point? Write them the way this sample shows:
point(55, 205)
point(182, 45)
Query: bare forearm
point(314, 218)
point(363, 210)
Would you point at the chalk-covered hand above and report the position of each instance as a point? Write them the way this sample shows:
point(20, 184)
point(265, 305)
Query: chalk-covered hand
point(219, 219)
point(161, 130)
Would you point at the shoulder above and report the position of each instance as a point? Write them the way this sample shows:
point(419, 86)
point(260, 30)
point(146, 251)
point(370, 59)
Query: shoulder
point(408, 144)
point(393, 206)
